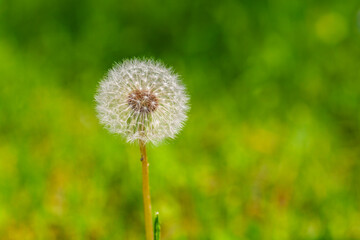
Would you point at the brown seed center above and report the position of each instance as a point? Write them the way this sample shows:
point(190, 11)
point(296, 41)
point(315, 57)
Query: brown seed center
point(143, 101)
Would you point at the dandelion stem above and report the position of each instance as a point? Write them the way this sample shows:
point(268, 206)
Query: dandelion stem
point(146, 192)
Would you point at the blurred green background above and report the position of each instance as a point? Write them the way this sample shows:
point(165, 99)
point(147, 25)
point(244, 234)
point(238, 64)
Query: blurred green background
point(271, 148)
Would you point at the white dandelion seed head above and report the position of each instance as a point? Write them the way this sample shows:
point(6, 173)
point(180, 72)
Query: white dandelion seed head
point(142, 100)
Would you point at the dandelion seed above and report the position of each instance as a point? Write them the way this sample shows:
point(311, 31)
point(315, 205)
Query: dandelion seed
point(142, 100)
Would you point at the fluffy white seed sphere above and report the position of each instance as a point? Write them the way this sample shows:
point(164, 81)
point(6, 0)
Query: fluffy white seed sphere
point(142, 100)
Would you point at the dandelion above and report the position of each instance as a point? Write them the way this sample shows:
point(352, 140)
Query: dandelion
point(143, 101)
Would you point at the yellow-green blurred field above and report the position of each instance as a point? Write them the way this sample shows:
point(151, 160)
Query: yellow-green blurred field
point(271, 149)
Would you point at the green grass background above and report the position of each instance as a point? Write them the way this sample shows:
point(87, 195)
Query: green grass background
point(271, 149)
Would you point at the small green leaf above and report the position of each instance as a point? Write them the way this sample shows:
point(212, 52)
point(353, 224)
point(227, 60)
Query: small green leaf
point(157, 227)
